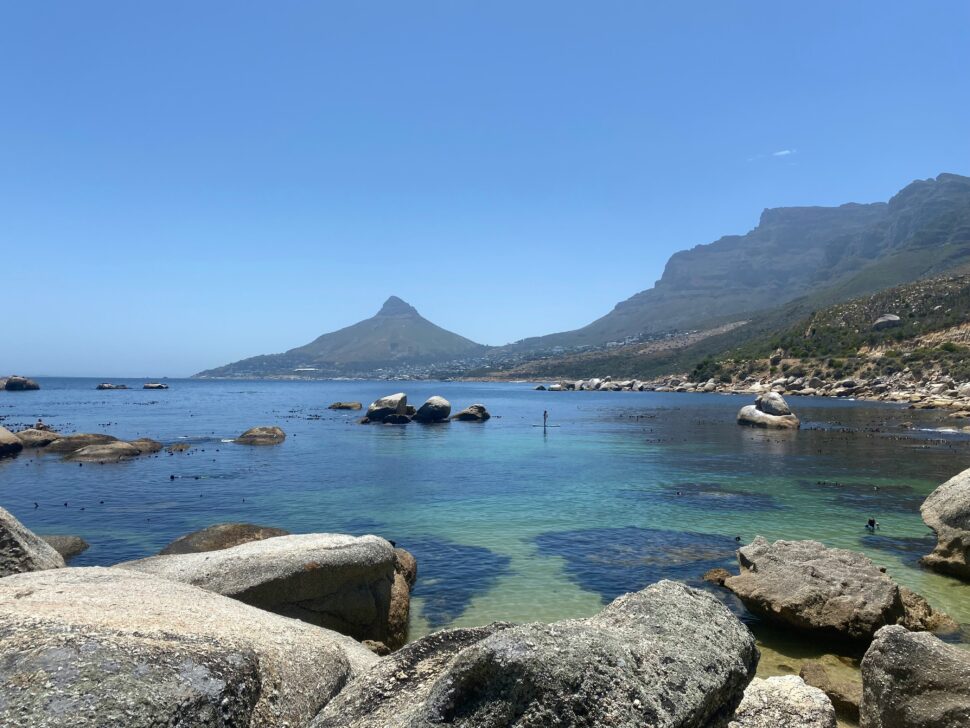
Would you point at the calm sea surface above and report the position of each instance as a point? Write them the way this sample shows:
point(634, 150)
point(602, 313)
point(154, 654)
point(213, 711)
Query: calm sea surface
point(507, 522)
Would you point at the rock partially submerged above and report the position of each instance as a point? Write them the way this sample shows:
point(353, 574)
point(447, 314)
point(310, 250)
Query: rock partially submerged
point(345, 406)
point(330, 580)
point(10, 444)
point(668, 655)
point(33, 438)
point(71, 443)
point(220, 536)
point(947, 512)
point(264, 435)
point(22, 550)
point(111, 452)
point(94, 647)
point(154, 385)
point(780, 702)
point(769, 410)
point(67, 546)
point(435, 409)
point(914, 680)
point(833, 592)
point(846, 695)
point(15, 383)
point(393, 404)
point(109, 385)
point(472, 413)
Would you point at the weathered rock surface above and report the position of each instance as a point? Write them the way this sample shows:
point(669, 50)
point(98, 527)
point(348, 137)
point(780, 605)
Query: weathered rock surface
point(914, 680)
point(335, 581)
point(472, 413)
point(264, 435)
point(146, 445)
point(846, 695)
point(10, 444)
point(22, 550)
point(111, 452)
point(886, 321)
point(154, 385)
point(345, 406)
point(16, 383)
point(947, 512)
point(95, 647)
point(396, 420)
point(67, 546)
point(220, 536)
point(666, 656)
point(393, 404)
point(783, 702)
point(109, 385)
point(71, 443)
point(806, 585)
point(436, 409)
point(406, 565)
point(769, 410)
point(32, 438)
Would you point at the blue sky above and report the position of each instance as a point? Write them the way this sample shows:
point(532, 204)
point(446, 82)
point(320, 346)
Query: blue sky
point(183, 184)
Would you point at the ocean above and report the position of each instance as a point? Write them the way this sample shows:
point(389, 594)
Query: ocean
point(508, 521)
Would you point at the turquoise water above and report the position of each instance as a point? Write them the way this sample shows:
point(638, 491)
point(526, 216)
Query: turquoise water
point(507, 522)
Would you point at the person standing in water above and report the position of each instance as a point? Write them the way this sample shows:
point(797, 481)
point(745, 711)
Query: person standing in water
point(545, 418)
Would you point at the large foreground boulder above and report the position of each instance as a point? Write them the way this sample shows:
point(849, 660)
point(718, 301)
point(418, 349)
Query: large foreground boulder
point(220, 536)
point(914, 680)
point(16, 383)
point(833, 592)
point(264, 435)
point(393, 404)
point(947, 512)
point(10, 444)
point(436, 409)
point(67, 546)
point(94, 647)
point(769, 410)
point(666, 656)
point(330, 580)
point(22, 550)
point(472, 413)
point(783, 702)
point(33, 438)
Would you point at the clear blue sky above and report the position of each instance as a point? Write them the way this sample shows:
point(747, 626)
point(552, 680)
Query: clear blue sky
point(183, 184)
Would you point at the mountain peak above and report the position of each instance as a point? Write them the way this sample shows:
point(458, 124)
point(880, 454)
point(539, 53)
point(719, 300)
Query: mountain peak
point(395, 306)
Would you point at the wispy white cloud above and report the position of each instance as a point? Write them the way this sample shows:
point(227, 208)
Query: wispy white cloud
point(784, 153)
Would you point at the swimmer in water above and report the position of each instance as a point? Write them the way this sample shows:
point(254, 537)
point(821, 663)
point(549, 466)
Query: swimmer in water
point(872, 525)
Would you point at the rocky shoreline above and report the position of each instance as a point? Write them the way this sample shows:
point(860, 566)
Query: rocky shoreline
point(247, 625)
point(939, 393)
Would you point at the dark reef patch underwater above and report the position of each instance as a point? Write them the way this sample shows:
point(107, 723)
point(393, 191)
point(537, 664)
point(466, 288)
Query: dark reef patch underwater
point(614, 561)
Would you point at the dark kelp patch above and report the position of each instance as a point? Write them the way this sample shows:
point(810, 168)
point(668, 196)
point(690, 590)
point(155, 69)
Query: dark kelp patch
point(450, 575)
point(867, 497)
point(614, 561)
point(715, 496)
point(908, 549)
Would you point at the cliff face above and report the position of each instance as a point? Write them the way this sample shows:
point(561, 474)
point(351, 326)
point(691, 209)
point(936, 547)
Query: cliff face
point(834, 252)
point(396, 336)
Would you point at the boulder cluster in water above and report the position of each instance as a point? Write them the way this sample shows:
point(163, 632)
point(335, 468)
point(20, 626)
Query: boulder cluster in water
point(246, 625)
point(395, 410)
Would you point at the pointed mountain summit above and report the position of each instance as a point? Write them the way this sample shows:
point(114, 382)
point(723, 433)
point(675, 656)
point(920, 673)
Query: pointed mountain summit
point(397, 339)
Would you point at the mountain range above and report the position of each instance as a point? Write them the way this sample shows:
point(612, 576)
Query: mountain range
point(397, 338)
point(795, 259)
